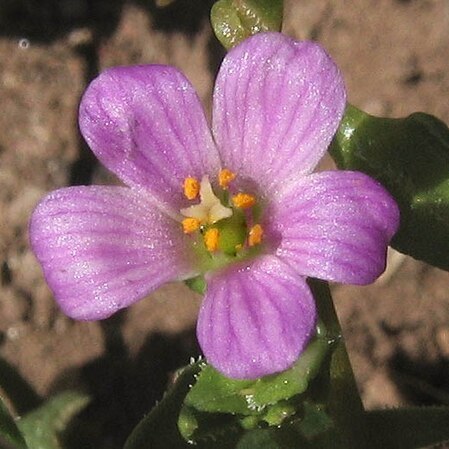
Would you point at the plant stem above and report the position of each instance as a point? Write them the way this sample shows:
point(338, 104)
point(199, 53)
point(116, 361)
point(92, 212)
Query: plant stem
point(345, 405)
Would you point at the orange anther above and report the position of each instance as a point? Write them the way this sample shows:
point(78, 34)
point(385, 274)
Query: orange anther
point(190, 225)
point(211, 239)
point(191, 188)
point(225, 177)
point(243, 200)
point(255, 235)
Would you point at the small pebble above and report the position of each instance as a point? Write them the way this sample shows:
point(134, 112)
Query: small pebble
point(442, 338)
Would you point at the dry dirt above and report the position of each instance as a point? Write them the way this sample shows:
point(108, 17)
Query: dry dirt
point(394, 55)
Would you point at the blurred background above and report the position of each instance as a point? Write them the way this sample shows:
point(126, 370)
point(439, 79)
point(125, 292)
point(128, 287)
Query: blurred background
point(394, 55)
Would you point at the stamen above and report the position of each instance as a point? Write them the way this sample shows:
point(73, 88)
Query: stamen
point(191, 188)
point(243, 200)
point(190, 225)
point(225, 177)
point(255, 235)
point(211, 239)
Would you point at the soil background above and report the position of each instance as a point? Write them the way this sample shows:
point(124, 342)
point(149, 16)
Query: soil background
point(394, 55)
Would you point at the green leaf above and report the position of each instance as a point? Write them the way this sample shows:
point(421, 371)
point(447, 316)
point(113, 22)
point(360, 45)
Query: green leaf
point(277, 413)
point(10, 436)
point(187, 422)
point(214, 392)
point(314, 430)
point(409, 428)
point(410, 157)
point(43, 426)
point(235, 20)
point(259, 439)
point(205, 428)
point(159, 429)
point(271, 389)
point(315, 422)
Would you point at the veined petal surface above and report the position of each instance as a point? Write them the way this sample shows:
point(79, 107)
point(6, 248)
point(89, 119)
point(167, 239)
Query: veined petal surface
point(277, 105)
point(146, 124)
point(103, 248)
point(335, 226)
point(256, 318)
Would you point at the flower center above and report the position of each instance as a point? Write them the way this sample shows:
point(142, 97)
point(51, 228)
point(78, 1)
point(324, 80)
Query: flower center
point(223, 220)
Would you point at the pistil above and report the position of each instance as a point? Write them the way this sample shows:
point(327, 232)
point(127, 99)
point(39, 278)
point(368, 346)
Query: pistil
point(222, 222)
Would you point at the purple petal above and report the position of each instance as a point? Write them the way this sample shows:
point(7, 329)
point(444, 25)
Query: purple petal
point(277, 105)
point(146, 124)
point(103, 248)
point(336, 226)
point(256, 318)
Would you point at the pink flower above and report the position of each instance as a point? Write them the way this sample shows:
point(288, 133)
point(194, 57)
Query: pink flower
point(237, 204)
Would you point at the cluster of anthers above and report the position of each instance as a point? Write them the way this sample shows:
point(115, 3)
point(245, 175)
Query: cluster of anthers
point(227, 222)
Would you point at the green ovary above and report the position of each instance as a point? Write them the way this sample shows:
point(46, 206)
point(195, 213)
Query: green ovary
point(233, 231)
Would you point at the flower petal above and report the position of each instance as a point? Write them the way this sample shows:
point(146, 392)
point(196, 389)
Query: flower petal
point(256, 318)
point(277, 105)
point(336, 226)
point(146, 124)
point(103, 248)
